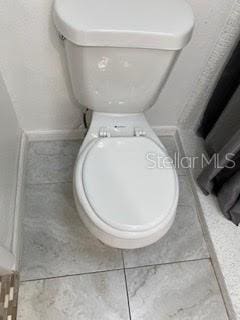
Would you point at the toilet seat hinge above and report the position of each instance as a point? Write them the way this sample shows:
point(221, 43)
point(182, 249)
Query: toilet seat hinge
point(104, 132)
point(138, 132)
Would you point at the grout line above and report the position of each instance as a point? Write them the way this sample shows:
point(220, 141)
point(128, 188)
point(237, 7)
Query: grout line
point(112, 270)
point(70, 275)
point(220, 289)
point(126, 286)
point(167, 263)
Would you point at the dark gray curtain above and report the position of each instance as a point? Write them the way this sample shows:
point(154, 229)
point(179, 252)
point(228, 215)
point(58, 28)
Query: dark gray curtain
point(225, 88)
point(223, 141)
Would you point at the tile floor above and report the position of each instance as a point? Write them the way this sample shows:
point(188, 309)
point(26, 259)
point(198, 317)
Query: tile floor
point(68, 274)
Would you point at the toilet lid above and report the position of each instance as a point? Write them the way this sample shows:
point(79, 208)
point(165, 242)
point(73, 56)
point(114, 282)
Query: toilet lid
point(125, 184)
point(153, 24)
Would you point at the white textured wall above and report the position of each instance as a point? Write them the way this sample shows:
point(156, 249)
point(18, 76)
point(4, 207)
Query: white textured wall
point(33, 65)
point(9, 148)
point(206, 81)
point(182, 90)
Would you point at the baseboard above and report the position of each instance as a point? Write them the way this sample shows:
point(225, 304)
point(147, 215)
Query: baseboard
point(55, 135)
point(78, 134)
point(10, 257)
point(165, 130)
point(19, 202)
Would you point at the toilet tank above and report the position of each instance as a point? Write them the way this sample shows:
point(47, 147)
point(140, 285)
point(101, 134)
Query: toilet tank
point(120, 53)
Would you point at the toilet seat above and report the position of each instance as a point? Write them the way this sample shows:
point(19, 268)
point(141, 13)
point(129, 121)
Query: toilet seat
point(119, 191)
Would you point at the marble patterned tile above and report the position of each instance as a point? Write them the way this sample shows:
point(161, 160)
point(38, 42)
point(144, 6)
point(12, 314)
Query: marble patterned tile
point(56, 243)
point(51, 161)
point(181, 291)
point(87, 297)
point(186, 197)
point(174, 152)
point(184, 241)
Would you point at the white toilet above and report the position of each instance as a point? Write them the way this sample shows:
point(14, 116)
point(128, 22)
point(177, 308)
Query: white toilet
point(119, 54)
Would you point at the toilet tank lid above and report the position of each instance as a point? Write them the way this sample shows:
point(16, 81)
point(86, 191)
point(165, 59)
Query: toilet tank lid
point(155, 24)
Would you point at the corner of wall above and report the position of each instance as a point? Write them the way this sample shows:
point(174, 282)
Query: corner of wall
point(19, 201)
point(201, 93)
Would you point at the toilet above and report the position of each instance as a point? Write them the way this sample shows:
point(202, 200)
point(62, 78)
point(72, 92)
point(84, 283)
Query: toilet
point(119, 55)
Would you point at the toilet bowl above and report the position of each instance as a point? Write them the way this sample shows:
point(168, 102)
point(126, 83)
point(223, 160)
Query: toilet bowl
point(124, 198)
point(119, 55)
